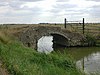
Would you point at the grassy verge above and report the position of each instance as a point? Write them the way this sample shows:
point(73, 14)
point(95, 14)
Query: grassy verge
point(24, 61)
point(20, 60)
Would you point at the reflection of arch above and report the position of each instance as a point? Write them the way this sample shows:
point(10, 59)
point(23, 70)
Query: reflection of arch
point(45, 44)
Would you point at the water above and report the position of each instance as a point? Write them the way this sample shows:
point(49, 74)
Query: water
point(87, 58)
point(90, 63)
point(45, 44)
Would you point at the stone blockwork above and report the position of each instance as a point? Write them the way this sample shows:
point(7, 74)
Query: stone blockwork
point(31, 35)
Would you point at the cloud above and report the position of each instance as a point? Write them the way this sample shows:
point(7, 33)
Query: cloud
point(95, 11)
point(5, 0)
point(65, 6)
point(15, 3)
point(16, 19)
point(62, 7)
point(94, 0)
point(33, 11)
point(62, 0)
point(3, 4)
point(13, 12)
point(20, 0)
point(31, 0)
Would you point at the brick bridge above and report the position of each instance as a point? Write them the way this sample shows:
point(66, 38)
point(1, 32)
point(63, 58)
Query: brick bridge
point(31, 35)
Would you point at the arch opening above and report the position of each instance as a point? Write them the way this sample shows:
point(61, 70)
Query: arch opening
point(28, 44)
point(52, 42)
point(59, 41)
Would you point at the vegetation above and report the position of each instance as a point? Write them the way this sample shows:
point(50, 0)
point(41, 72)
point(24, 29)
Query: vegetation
point(20, 60)
point(90, 40)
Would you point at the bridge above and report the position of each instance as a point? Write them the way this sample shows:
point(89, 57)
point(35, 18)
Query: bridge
point(31, 35)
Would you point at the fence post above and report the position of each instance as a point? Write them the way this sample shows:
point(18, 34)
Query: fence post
point(83, 25)
point(65, 23)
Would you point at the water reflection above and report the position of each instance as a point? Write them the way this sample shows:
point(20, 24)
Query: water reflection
point(88, 58)
point(91, 63)
point(45, 44)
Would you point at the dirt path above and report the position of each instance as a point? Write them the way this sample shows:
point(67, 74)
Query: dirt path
point(3, 71)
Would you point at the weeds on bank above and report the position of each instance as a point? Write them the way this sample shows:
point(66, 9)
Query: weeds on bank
point(20, 60)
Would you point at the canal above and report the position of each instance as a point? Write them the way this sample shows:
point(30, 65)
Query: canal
point(87, 58)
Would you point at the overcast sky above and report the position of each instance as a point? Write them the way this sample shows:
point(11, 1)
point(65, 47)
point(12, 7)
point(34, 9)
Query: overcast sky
point(39, 11)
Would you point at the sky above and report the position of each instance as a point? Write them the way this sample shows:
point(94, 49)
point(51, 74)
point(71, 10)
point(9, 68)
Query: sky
point(48, 11)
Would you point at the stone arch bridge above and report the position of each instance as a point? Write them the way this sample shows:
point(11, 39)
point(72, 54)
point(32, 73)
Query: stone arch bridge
point(31, 35)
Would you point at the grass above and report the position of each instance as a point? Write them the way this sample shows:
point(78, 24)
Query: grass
point(90, 28)
point(20, 60)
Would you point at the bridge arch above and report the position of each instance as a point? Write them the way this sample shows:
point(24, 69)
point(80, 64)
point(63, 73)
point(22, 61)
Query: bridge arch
point(31, 36)
point(60, 39)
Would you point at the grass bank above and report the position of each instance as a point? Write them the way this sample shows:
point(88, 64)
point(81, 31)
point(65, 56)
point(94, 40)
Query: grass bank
point(20, 60)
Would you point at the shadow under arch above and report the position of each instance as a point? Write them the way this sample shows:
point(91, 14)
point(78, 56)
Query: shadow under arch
point(59, 40)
